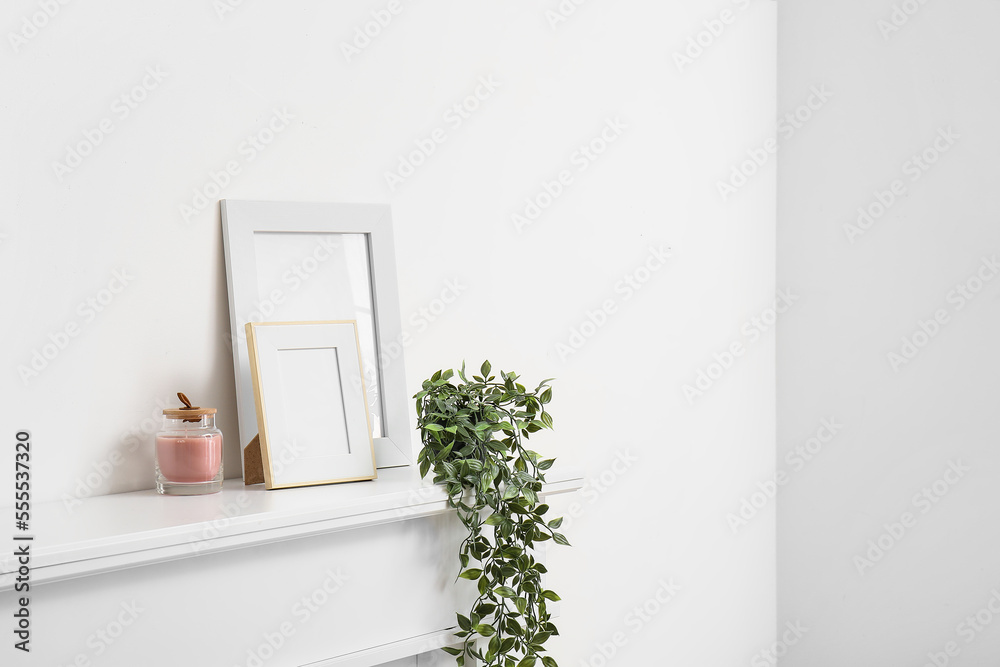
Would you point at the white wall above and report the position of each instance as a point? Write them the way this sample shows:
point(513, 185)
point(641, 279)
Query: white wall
point(683, 465)
point(903, 426)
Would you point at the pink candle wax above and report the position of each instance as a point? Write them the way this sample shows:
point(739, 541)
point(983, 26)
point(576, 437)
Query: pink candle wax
point(189, 459)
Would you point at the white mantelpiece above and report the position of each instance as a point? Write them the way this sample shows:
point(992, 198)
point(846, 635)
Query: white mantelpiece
point(236, 571)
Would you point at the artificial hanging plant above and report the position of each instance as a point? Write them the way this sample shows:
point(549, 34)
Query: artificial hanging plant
point(473, 435)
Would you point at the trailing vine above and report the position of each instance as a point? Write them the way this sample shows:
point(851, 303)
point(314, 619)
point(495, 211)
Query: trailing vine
point(473, 435)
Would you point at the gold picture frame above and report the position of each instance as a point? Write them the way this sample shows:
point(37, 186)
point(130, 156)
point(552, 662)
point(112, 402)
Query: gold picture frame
point(313, 421)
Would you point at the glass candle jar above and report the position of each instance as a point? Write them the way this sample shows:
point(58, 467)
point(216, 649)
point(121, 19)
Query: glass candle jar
point(189, 452)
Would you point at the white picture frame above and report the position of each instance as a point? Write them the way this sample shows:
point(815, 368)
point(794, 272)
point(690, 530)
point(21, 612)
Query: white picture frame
point(312, 418)
point(295, 261)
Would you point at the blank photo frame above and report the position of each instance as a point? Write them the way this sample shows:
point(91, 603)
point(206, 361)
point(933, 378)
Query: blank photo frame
point(312, 416)
point(294, 261)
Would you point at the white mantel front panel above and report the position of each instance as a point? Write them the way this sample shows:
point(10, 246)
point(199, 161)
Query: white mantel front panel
point(390, 582)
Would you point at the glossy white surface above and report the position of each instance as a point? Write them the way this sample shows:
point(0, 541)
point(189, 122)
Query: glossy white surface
point(139, 528)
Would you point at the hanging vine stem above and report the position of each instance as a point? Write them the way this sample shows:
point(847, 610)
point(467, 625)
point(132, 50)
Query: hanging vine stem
point(473, 434)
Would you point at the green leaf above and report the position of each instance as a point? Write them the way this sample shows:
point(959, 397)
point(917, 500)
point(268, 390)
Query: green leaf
point(464, 623)
point(494, 520)
point(555, 523)
point(521, 604)
point(546, 395)
point(511, 492)
point(527, 661)
point(549, 661)
point(451, 650)
point(485, 369)
point(433, 427)
point(551, 595)
point(546, 464)
point(505, 592)
point(561, 539)
point(485, 629)
point(471, 574)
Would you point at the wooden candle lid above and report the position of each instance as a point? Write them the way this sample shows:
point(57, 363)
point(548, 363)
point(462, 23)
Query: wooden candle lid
point(188, 413)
